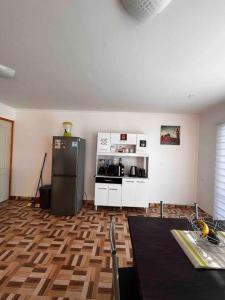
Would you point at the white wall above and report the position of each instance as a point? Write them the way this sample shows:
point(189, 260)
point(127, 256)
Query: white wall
point(209, 121)
point(7, 112)
point(173, 169)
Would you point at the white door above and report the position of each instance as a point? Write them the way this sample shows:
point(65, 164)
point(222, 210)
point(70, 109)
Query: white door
point(5, 145)
point(128, 192)
point(101, 194)
point(115, 195)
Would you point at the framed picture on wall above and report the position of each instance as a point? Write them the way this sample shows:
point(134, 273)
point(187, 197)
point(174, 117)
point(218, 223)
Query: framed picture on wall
point(170, 135)
point(123, 136)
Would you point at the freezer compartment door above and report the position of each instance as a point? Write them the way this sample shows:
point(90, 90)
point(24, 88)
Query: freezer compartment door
point(64, 156)
point(63, 202)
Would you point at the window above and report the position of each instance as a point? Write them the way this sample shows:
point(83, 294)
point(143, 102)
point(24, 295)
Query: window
point(219, 200)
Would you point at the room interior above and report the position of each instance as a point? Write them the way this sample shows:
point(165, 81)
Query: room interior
point(140, 85)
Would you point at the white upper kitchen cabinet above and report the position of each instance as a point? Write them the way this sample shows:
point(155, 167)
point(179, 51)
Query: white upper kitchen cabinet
point(123, 138)
point(142, 143)
point(103, 142)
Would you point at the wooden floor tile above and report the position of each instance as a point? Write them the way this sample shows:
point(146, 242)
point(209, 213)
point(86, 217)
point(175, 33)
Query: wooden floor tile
point(47, 257)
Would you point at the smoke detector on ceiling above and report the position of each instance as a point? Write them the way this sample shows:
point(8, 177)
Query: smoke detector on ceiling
point(141, 9)
point(7, 72)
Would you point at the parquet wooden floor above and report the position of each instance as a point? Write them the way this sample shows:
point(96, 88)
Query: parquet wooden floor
point(47, 257)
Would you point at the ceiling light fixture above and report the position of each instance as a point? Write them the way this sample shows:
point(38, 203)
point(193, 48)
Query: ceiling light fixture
point(141, 9)
point(7, 72)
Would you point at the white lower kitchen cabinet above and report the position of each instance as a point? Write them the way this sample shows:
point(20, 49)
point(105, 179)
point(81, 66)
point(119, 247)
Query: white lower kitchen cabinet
point(101, 194)
point(135, 193)
point(115, 196)
point(128, 192)
point(142, 193)
point(108, 194)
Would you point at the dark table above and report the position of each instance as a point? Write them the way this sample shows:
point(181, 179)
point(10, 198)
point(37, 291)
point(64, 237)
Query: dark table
point(163, 270)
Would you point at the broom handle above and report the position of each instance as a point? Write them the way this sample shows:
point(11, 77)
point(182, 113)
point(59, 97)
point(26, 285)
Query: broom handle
point(40, 178)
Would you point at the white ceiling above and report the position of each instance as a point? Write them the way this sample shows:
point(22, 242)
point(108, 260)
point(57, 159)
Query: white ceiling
point(91, 55)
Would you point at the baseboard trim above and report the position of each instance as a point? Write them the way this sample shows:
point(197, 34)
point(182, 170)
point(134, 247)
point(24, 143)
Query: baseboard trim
point(92, 203)
point(22, 198)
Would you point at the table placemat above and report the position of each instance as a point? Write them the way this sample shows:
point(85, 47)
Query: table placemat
point(201, 253)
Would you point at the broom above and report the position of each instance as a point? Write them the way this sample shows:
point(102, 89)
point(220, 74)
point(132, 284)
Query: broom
point(33, 202)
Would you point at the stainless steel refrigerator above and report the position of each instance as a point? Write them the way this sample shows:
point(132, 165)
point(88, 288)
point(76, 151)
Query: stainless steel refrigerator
point(68, 158)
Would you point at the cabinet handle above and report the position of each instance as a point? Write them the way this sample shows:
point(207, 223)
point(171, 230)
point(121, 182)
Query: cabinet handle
point(140, 182)
point(129, 181)
point(113, 189)
point(102, 188)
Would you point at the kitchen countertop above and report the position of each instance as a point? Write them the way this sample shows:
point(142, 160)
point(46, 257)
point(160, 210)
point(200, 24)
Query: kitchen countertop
point(125, 177)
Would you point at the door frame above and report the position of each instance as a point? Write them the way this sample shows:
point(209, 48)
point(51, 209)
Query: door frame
point(11, 151)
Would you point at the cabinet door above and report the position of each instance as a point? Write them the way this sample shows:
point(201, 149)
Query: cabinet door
point(142, 193)
point(123, 138)
point(101, 194)
point(115, 195)
point(142, 143)
point(131, 139)
point(128, 192)
point(115, 138)
point(103, 142)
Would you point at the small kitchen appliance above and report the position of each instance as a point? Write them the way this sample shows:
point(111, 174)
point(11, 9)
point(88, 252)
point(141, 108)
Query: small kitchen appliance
point(102, 168)
point(141, 173)
point(133, 171)
point(112, 170)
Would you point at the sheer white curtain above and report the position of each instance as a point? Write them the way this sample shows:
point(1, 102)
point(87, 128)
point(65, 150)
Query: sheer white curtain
point(219, 199)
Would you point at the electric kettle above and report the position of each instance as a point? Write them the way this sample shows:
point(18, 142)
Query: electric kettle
point(133, 171)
